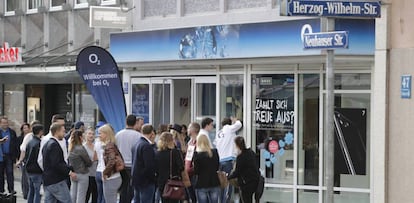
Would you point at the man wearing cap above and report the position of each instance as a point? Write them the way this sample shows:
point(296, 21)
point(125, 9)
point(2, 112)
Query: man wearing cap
point(126, 139)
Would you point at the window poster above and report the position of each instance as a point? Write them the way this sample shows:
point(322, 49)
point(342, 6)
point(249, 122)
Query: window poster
point(140, 101)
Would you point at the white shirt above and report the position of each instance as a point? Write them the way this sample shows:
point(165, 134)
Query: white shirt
point(44, 140)
point(126, 140)
point(225, 141)
point(205, 132)
point(26, 140)
point(99, 152)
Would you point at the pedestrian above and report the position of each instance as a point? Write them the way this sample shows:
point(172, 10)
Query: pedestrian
point(59, 119)
point(178, 138)
point(138, 124)
point(80, 161)
point(111, 177)
point(143, 166)
point(126, 140)
point(207, 126)
point(25, 130)
point(246, 171)
point(55, 169)
point(166, 147)
point(90, 148)
point(224, 142)
point(99, 149)
point(193, 130)
point(10, 151)
point(206, 165)
point(30, 162)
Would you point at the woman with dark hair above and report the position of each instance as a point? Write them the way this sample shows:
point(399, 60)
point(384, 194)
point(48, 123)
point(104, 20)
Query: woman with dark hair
point(246, 171)
point(80, 161)
point(24, 131)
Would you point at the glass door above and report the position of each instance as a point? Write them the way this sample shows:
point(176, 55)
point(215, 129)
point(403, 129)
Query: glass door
point(204, 100)
point(151, 100)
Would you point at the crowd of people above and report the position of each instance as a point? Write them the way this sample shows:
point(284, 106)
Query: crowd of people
point(132, 165)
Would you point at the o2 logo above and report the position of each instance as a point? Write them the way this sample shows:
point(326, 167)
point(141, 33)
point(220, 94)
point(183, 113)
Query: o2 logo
point(94, 59)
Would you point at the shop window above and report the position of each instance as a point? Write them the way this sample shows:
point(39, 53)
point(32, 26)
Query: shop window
point(273, 125)
point(352, 81)
point(351, 121)
point(231, 96)
point(85, 106)
point(308, 196)
point(308, 129)
point(206, 104)
point(140, 101)
point(14, 105)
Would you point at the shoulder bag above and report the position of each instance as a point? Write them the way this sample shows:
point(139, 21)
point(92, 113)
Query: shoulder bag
point(173, 189)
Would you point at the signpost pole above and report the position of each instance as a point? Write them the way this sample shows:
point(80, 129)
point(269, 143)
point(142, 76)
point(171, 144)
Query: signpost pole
point(329, 25)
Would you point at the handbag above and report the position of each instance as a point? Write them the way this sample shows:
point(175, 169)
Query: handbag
point(7, 198)
point(223, 179)
point(173, 189)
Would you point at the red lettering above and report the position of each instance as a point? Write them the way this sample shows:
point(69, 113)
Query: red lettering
point(9, 54)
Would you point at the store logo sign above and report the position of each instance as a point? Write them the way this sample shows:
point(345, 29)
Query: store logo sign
point(10, 55)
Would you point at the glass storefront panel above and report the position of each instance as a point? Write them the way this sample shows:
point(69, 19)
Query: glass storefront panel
point(14, 105)
point(352, 81)
point(308, 132)
point(85, 106)
point(351, 121)
point(206, 104)
point(308, 196)
point(231, 96)
point(346, 197)
point(272, 127)
point(277, 195)
point(140, 101)
point(161, 104)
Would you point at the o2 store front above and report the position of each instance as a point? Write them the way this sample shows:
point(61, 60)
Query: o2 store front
point(261, 74)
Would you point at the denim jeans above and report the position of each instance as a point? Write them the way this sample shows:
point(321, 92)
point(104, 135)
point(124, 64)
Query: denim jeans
point(35, 181)
point(226, 166)
point(208, 195)
point(99, 186)
point(57, 192)
point(6, 166)
point(79, 187)
point(144, 194)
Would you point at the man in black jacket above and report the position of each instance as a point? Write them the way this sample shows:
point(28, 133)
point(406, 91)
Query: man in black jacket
point(10, 152)
point(143, 166)
point(33, 169)
point(56, 171)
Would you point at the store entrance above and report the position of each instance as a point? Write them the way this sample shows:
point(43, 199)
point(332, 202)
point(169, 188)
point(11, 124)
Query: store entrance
point(180, 100)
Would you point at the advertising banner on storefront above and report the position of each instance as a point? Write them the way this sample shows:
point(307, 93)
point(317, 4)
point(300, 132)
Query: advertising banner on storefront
point(100, 73)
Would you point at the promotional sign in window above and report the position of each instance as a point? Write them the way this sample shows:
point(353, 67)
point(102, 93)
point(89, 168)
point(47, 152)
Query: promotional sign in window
point(10, 55)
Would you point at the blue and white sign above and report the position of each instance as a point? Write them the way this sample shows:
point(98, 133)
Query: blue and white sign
point(406, 86)
point(100, 73)
point(323, 40)
point(326, 8)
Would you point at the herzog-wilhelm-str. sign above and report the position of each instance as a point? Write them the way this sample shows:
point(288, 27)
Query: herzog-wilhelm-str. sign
point(321, 8)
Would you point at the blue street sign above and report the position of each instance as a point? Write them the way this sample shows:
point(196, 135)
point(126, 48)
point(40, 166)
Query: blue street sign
point(406, 86)
point(321, 8)
point(325, 40)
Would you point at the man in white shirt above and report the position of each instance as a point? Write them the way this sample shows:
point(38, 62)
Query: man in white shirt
point(126, 140)
point(59, 119)
point(225, 146)
point(207, 125)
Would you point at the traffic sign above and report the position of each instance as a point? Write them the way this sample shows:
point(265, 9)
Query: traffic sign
point(326, 8)
point(323, 40)
point(406, 86)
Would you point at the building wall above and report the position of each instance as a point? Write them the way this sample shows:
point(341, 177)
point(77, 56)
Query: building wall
point(401, 111)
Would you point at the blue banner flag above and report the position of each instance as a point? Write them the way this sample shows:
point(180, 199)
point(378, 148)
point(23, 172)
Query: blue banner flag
point(99, 71)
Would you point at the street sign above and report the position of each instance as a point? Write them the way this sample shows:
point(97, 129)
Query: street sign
point(323, 40)
point(109, 17)
point(406, 86)
point(326, 8)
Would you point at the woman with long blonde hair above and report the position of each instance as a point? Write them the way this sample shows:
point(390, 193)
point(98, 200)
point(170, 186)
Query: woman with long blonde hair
point(206, 165)
point(80, 161)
